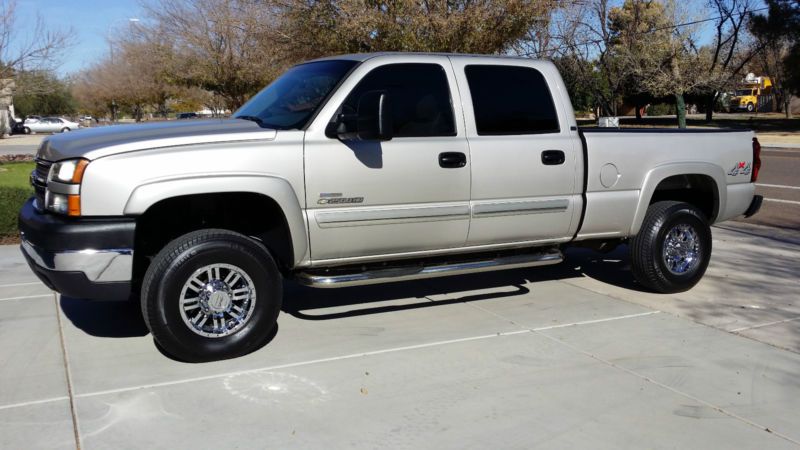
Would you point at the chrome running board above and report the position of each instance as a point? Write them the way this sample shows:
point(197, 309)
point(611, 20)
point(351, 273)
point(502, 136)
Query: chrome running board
point(338, 278)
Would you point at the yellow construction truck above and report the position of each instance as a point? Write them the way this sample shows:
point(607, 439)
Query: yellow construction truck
point(750, 91)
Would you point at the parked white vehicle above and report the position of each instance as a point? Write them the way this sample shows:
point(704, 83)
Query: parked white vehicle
point(366, 169)
point(49, 125)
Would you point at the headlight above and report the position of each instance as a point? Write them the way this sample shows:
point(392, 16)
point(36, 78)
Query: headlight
point(63, 187)
point(69, 171)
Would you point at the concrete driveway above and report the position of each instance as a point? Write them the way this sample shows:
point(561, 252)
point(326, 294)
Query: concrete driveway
point(572, 356)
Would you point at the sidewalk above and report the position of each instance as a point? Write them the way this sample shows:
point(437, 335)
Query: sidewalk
point(779, 139)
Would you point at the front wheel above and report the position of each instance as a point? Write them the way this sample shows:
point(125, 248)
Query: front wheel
point(750, 107)
point(211, 295)
point(65, 130)
point(672, 249)
point(26, 130)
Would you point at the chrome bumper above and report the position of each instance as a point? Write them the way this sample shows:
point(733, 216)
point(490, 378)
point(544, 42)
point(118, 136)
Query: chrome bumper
point(100, 266)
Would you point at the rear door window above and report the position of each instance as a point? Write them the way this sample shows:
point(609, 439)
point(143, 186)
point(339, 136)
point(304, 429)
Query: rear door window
point(511, 100)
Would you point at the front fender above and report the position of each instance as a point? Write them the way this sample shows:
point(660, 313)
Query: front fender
point(662, 172)
point(279, 189)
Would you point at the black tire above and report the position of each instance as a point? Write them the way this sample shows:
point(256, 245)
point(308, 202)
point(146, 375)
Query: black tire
point(648, 251)
point(65, 130)
point(176, 263)
point(26, 130)
point(750, 107)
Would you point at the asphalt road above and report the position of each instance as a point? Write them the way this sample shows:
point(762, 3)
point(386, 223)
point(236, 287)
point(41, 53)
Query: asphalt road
point(779, 183)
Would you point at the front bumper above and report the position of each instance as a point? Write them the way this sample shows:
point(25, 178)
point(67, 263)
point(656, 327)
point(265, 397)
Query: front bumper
point(82, 258)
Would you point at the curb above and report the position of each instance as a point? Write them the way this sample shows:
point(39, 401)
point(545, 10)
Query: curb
point(778, 145)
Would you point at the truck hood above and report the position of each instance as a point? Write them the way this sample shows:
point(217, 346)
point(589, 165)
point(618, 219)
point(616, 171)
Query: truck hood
point(93, 143)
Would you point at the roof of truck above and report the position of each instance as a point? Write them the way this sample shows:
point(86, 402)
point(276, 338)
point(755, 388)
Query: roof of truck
point(366, 56)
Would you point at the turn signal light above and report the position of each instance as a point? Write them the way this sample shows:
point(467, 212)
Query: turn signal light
point(74, 205)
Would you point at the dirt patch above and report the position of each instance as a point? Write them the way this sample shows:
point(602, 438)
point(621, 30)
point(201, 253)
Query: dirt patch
point(9, 240)
point(15, 158)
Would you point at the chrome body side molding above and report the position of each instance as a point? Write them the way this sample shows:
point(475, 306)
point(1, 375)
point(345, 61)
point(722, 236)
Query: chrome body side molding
point(364, 216)
point(519, 207)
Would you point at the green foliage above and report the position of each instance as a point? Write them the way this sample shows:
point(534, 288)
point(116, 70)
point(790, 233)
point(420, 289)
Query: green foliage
point(325, 27)
point(11, 201)
point(15, 189)
point(42, 93)
point(575, 71)
point(661, 109)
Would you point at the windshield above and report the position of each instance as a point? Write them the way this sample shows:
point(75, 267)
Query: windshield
point(742, 92)
point(291, 100)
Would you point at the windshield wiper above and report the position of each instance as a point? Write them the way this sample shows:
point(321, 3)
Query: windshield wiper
point(255, 119)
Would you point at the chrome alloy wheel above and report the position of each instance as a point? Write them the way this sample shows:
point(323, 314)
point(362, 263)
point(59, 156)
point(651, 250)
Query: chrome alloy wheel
point(217, 300)
point(682, 249)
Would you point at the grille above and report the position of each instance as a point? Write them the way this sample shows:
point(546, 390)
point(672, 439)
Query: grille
point(39, 181)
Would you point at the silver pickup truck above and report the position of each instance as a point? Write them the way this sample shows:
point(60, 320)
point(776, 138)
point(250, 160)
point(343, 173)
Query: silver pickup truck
point(362, 169)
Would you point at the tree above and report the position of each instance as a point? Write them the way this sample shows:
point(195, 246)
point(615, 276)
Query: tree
point(637, 28)
point(778, 46)
point(222, 46)
point(41, 92)
point(325, 27)
point(727, 58)
point(662, 57)
point(585, 47)
point(36, 51)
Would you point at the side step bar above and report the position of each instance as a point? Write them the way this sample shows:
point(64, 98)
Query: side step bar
point(339, 278)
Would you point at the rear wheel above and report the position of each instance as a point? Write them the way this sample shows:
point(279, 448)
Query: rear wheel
point(672, 249)
point(26, 130)
point(210, 295)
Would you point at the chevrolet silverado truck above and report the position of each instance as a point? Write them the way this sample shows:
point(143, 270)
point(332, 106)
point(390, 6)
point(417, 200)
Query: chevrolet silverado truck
point(361, 169)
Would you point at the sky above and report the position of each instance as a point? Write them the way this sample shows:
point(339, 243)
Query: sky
point(91, 21)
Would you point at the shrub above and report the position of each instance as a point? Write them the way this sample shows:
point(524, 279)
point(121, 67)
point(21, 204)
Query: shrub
point(661, 109)
point(15, 189)
point(11, 200)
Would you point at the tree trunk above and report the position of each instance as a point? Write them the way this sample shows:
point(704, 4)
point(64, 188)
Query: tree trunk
point(680, 109)
point(787, 100)
point(638, 107)
point(712, 99)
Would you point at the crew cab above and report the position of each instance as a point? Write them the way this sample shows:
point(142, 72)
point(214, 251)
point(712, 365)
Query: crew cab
point(368, 168)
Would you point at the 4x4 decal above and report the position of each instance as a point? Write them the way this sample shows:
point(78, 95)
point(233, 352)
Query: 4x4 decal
point(740, 168)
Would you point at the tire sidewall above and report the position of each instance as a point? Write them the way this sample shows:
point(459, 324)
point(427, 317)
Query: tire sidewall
point(678, 215)
point(261, 323)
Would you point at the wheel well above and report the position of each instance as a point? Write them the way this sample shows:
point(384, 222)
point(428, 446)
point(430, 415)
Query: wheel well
point(695, 189)
point(251, 214)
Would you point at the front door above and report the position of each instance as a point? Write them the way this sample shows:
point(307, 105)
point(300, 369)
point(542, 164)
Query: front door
point(370, 199)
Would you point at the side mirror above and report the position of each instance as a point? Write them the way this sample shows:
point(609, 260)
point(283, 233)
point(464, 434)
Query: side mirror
point(374, 121)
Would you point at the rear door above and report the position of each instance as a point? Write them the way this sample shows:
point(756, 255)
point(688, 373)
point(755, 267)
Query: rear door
point(526, 186)
point(369, 198)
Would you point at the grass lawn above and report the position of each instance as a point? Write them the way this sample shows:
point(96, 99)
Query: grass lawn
point(16, 174)
point(15, 188)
